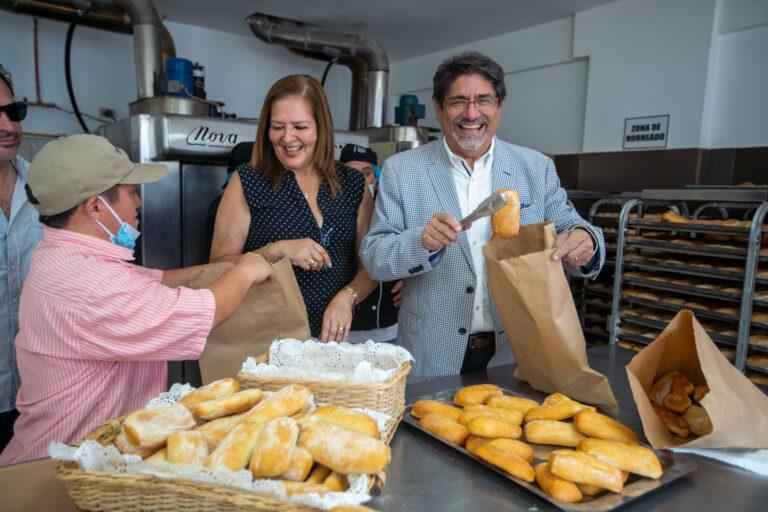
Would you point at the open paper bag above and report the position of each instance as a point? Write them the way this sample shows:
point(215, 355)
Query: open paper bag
point(270, 310)
point(737, 408)
point(539, 316)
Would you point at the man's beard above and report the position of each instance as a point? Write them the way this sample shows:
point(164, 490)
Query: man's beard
point(469, 144)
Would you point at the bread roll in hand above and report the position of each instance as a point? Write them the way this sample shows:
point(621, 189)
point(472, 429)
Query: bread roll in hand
point(506, 222)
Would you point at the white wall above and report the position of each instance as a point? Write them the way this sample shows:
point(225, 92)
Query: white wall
point(546, 86)
point(737, 113)
point(646, 58)
point(573, 82)
point(239, 70)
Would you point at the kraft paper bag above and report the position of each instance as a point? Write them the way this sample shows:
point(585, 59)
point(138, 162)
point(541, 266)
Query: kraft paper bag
point(270, 310)
point(737, 408)
point(539, 317)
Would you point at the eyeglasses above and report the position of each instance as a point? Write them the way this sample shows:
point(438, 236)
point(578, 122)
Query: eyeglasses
point(16, 111)
point(459, 105)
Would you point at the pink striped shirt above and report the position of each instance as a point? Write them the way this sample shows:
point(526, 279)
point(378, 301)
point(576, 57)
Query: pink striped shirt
point(95, 333)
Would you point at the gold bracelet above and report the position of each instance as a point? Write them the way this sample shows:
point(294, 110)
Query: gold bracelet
point(265, 253)
point(352, 292)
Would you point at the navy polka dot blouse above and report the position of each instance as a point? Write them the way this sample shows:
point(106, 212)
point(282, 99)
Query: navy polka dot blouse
point(284, 214)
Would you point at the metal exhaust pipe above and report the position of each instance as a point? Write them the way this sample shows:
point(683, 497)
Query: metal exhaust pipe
point(365, 57)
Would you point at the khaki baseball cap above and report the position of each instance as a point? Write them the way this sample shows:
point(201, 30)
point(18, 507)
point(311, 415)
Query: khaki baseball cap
point(69, 170)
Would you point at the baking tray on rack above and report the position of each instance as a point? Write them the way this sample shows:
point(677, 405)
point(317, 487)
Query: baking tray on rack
point(693, 248)
point(652, 324)
point(675, 466)
point(688, 270)
point(692, 227)
point(688, 290)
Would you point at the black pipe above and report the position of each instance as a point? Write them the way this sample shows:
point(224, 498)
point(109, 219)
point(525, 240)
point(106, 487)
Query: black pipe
point(67, 71)
point(327, 69)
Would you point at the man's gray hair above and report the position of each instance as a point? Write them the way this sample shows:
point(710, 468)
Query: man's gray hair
point(467, 63)
point(5, 76)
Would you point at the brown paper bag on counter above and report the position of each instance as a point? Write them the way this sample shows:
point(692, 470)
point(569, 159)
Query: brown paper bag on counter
point(539, 317)
point(270, 310)
point(737, 408)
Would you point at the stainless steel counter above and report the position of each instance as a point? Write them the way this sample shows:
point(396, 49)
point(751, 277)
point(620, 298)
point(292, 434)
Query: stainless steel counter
point(426, 475)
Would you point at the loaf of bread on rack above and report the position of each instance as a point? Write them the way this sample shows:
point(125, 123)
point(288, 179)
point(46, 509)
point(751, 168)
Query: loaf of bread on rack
point(506, 222)
point(150, 428)
point(584, 468)
point(670, 216)
point(274, 448)
point(558, 488)
point(286, 402)
point(343, 450)
point(224, 406)
point(631, 458)
point(348, 418)
point(187, 447)
point(216, 389)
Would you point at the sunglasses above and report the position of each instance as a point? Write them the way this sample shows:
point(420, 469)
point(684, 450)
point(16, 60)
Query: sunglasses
point(16, 111)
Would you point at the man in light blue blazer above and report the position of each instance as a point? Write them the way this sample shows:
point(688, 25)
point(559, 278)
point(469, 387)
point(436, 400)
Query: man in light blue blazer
point(447, 318)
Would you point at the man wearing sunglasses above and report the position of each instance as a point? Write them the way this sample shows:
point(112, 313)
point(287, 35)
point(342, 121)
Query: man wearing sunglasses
point(20, 231)
point(447, 318)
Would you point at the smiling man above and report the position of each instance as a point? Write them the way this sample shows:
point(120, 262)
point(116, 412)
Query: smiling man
point(447, 318)
point(20, 232)
point(95, 330)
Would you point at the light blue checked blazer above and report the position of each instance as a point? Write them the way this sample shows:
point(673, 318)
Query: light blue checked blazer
point(436, 310)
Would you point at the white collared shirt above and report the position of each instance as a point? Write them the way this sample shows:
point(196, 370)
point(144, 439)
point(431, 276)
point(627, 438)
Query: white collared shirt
point(472, 187)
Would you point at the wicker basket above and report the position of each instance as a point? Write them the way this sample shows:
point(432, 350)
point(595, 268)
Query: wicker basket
point(115, 492)
point(387, 397)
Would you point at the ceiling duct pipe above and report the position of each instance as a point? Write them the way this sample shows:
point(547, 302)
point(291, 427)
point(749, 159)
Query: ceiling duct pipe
point(151, 40)
point(362, 55)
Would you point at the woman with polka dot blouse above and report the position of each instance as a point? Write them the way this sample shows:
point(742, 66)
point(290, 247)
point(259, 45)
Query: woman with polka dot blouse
point(293, 200)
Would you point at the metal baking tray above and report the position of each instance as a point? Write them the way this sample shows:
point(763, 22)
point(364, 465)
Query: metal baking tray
point(694, 249)
point(675, 466)
point(690, 227)
point(660, 326)
point(705, 293)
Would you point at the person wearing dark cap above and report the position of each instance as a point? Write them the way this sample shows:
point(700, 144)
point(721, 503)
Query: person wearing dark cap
point(240, 154)
point(376, 316)
point(95, 331)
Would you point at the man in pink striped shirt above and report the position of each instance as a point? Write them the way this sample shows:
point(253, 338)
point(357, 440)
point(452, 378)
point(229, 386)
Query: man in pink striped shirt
point(95, 330)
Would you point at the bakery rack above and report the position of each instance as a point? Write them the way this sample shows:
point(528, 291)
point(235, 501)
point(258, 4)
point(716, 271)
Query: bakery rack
point(712, 264)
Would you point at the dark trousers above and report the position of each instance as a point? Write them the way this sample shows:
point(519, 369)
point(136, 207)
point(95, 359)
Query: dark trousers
point(7, 419)
point(480, 350)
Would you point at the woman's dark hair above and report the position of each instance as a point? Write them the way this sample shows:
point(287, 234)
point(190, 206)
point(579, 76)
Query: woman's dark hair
point(264, 158)
point(467, 63)
point(61, 220)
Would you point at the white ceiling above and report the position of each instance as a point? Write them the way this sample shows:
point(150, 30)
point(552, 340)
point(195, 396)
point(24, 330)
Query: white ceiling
point(406, 28)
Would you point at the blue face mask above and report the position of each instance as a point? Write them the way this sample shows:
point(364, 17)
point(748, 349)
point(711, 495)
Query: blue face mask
point(126, 236)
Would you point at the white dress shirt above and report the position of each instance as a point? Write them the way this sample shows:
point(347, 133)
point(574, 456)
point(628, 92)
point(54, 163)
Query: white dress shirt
point(472, 187)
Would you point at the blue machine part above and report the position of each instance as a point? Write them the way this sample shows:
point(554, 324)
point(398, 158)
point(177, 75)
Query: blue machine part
point(410, 110)
point(179, 72)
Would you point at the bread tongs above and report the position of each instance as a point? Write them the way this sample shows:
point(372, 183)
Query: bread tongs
point(489, 206)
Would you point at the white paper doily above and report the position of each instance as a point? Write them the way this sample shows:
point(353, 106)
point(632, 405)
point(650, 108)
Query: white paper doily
point(339, 362)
